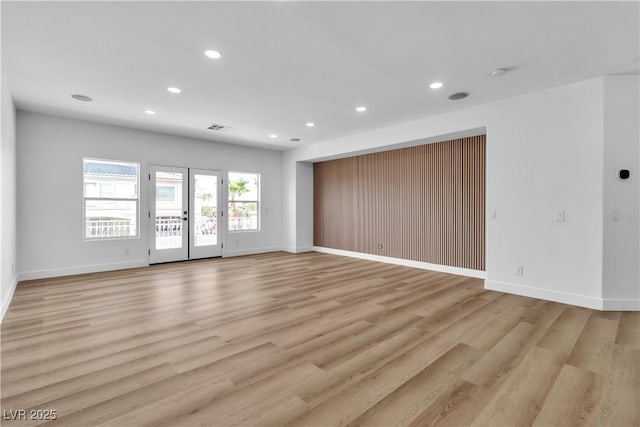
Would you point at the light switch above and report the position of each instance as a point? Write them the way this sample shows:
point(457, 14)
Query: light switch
point(493, 214)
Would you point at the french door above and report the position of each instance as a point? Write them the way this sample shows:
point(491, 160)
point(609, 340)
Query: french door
point(184, 213)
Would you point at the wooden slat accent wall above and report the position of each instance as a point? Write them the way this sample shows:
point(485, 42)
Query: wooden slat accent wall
point(423, 203)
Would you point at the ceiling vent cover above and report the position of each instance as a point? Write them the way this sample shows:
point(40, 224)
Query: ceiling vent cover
point(219, 127)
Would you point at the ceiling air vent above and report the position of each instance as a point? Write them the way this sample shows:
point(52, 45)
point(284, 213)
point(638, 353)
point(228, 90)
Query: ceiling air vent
point(219, 127)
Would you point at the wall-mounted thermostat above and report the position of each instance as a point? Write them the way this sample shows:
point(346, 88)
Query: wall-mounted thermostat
point(623, 174)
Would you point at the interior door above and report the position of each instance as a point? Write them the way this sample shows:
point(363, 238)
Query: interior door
point(169, 214)
point(205, 192)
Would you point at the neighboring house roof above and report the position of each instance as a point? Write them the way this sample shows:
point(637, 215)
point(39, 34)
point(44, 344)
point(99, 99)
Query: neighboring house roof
point(99, 168)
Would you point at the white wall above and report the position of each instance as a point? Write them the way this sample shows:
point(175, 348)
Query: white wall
point(8, 246)
point(50, 224)
point(289, 170)
point(621, 278)
point(544, 154)
point(304, 205)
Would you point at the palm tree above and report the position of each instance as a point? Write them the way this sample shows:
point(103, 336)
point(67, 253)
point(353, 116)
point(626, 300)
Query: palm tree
point(237, 188)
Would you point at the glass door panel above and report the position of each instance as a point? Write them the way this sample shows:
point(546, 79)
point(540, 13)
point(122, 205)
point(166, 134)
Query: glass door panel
point(169, 214)
point(205, 193)
point(205, 202)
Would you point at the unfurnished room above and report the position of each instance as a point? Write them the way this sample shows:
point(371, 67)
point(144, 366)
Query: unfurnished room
point(320, 213)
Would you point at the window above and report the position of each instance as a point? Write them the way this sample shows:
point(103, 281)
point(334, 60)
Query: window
point(244, 199)
point(110, 199)
point(106, 189)
point(90, 188)
point(165, 193)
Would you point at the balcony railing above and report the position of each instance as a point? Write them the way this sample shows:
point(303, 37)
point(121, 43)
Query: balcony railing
point(101, 228)
point(243, 223)
point(168, 226)
point(168, 230)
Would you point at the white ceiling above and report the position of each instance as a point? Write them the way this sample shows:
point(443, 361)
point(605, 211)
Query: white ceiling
point(287, 63)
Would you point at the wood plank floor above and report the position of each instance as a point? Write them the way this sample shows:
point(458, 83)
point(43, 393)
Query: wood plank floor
point(311, 340)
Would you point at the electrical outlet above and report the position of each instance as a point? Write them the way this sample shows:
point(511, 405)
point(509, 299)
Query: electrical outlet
point(380, 246)
point(519, 270)
point(559, 216)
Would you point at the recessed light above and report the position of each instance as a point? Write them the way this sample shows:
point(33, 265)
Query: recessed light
point(458, 95)
point(295, 140)
point(273, 135)
point(213, 54)
point(361, 109)
point(498, 72)
point(174, 90)
point(310, 124)
point(150, 112)
point(435, 85)
point(82, 98)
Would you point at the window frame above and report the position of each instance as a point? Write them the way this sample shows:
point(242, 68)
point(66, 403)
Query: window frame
point(257, 202)
point(98, 198)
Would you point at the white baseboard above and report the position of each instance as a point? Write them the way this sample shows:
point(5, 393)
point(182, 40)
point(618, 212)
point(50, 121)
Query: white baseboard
point(405, 262)
point(81, 269)
point(7, 300)
point(545, 294)
point(250, 251)
point(621, 304)
point(297, 250)
point(95, 268)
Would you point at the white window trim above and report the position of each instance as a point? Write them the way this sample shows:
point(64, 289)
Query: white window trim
point(127, 199)
point(257, 202)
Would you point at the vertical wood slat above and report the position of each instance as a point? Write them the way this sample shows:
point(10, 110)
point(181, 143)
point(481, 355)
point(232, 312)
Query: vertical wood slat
point(423, 203)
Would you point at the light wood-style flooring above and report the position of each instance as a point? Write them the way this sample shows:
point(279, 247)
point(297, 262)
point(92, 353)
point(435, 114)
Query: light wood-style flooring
point(311, 340)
